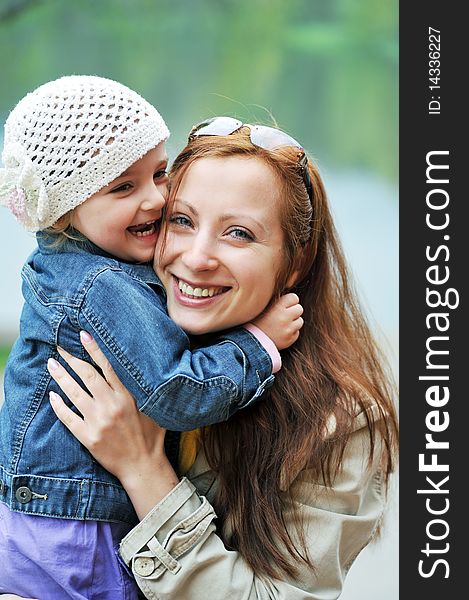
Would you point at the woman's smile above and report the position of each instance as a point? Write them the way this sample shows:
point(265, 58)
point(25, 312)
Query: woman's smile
point(197, 294)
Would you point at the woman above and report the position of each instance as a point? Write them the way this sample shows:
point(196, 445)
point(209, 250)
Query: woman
point(297, 482)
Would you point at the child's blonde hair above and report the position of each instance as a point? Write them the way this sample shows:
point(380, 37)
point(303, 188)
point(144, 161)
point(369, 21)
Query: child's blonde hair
point(63, 230)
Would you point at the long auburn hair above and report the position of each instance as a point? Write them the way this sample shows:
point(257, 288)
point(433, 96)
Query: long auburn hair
point(332, 371)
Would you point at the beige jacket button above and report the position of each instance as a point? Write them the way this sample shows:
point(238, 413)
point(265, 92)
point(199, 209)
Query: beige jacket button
point(144, 565)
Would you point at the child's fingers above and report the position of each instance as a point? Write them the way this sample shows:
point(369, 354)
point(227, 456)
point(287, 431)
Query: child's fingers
point(68, 385)
point(299, 323)
point(294, 336)
point(294, 327)
point(90, 345)
point(72, 421)
point(289, 299)
point(295, 311)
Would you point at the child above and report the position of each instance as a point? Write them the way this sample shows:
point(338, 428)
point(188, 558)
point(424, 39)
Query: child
point(85, 167)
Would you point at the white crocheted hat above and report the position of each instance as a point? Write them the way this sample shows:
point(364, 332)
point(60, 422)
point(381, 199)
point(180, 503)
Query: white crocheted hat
point(68, 139)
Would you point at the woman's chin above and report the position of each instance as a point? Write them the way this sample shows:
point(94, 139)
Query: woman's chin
point(194, 326)
point(195, 322)
point(194, 329)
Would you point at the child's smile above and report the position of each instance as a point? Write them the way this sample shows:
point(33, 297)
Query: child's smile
point(144, 229)
point(123, 217)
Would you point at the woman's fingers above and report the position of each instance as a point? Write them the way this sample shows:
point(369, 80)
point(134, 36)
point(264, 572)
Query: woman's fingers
point(68, 385)
point(71, 420)
point(90, 345)
point(92, 379)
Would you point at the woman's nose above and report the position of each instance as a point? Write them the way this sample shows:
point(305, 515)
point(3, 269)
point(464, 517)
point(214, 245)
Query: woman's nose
point(200, 256)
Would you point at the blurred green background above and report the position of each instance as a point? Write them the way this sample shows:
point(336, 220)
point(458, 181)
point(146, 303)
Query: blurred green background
point(325, 71)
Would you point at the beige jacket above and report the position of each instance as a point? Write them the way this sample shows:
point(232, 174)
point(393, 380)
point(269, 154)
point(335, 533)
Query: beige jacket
point(175, 552)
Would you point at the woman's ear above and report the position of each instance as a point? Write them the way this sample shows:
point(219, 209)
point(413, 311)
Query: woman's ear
point(293, 279)
point(303, 261)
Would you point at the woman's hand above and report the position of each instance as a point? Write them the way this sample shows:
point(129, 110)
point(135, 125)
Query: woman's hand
point(126, 442)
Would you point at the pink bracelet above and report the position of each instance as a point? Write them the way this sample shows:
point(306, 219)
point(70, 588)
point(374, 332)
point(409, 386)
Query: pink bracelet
point(268, 345)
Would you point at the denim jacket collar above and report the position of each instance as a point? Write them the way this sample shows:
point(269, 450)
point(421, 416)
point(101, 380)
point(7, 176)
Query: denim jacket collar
point(46, 244)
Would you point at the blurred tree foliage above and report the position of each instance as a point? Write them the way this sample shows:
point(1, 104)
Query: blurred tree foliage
point(324, 71)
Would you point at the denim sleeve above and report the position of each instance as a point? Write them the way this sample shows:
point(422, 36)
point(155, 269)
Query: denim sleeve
point(179, 388)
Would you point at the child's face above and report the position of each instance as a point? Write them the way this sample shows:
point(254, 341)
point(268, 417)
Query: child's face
point(224, 244)
point(122, 217)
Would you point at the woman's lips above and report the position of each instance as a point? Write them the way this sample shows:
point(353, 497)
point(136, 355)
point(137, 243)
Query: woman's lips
point(197, 296)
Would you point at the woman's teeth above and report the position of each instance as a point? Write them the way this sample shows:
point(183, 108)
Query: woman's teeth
point(198, 292)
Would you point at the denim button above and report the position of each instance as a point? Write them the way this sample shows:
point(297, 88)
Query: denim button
point(23, 494)
point(144, 565)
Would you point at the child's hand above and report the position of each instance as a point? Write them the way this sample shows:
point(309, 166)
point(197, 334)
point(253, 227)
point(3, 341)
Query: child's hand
point(282, 322)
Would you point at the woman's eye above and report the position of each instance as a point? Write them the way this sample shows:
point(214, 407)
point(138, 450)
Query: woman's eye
point(180, 220)
point(241, 234)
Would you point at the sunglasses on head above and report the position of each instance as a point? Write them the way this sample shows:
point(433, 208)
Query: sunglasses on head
point(268, 138)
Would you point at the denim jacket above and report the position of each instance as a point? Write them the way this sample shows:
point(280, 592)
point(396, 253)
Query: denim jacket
point(44, 470)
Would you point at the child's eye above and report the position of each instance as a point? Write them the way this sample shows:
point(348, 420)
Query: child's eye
point(160, 174)
point(241, 234)
point(121, 188)
point(180, 220)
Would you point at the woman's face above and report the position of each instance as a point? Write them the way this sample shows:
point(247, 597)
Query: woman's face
point(224, 244)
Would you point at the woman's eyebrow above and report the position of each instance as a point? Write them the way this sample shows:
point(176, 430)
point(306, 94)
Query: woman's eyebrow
point(228, 217)
point(186, 204)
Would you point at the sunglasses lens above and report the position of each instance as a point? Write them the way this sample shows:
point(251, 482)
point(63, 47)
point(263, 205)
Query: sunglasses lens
point(265, 137)
point(217, 126)
point(270, 138)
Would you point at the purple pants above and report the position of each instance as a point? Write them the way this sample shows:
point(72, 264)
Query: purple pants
point(59, 559)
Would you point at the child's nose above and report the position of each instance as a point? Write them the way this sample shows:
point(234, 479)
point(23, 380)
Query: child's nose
point(154, 197)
